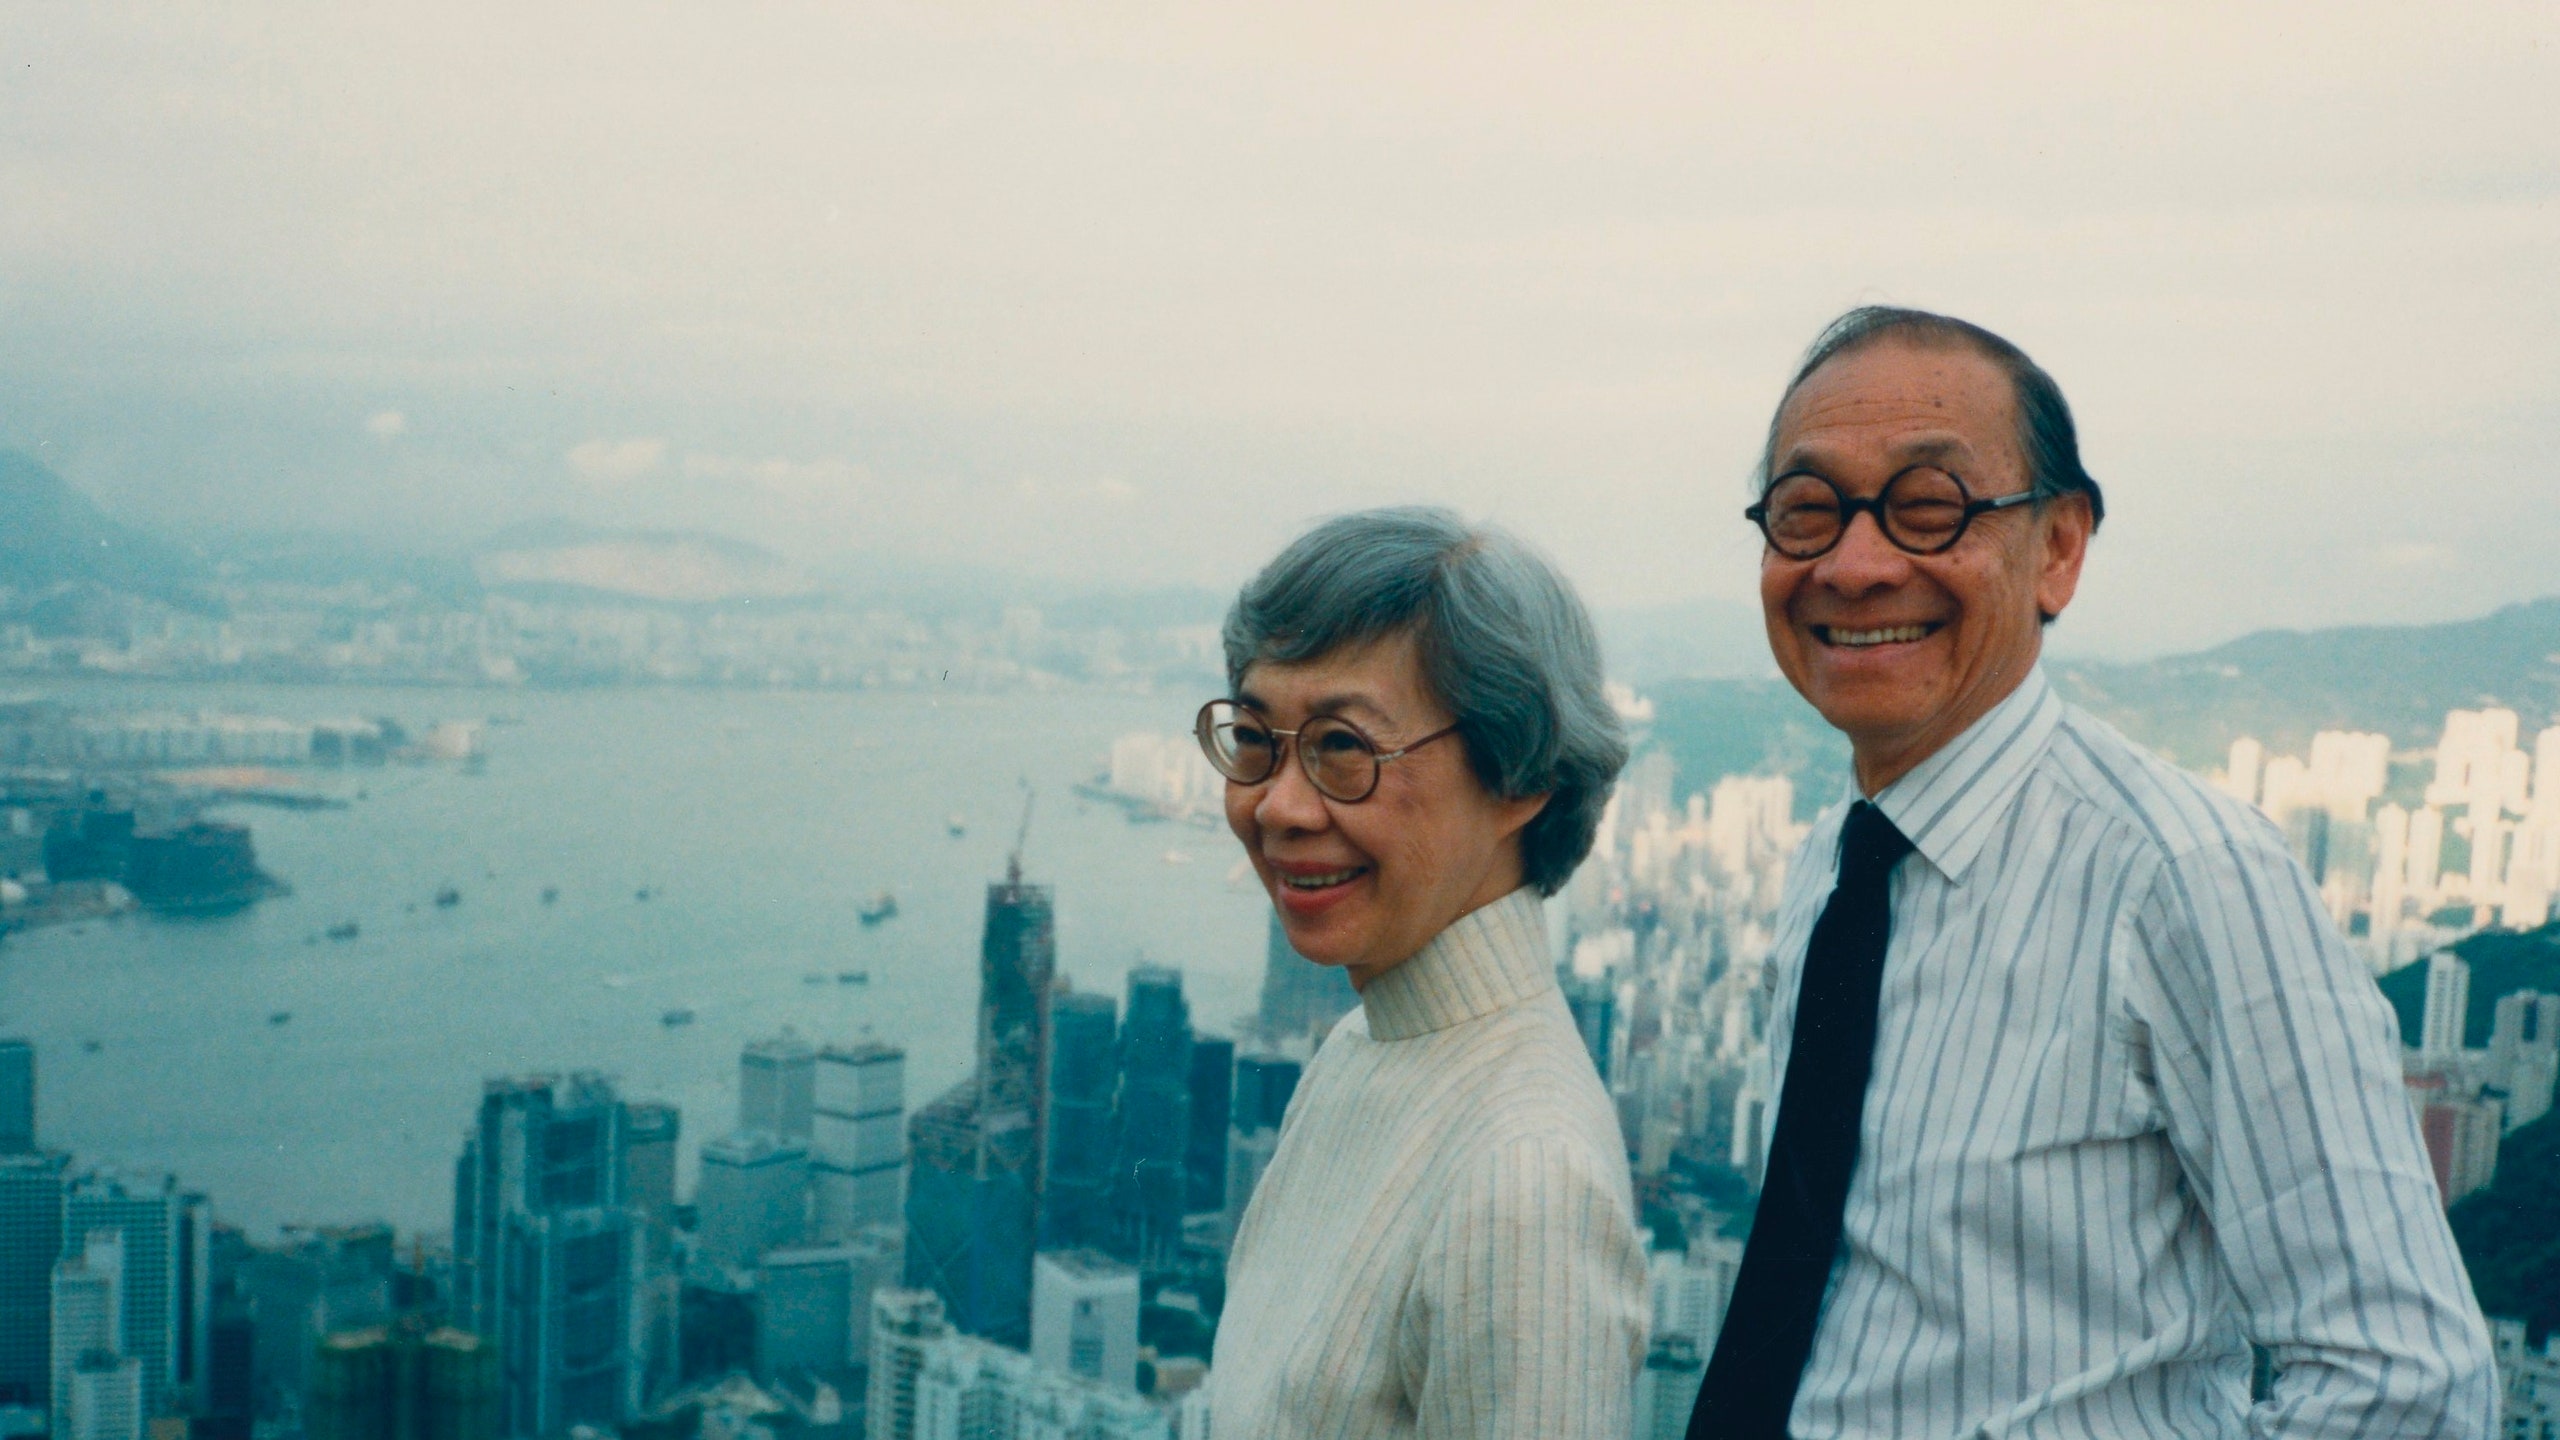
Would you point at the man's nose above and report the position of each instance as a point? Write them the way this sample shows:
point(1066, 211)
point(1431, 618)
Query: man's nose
point(1864, 561)
point(1289, 800)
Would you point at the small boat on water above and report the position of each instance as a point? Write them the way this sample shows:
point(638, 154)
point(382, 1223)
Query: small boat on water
point(956, 825)
point(641, 894)
point(91, 1047)
point(550, 894)
point(680, 1015)
point(447, 898)
point(345, 930)
point(883, 906)
point(281, 1017)
point(853, 977)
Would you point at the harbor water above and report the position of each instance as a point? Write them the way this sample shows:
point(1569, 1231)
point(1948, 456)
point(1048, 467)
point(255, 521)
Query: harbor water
point(298, 1078)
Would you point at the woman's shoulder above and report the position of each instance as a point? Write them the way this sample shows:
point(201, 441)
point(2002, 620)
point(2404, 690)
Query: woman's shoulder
point(1527, 1075)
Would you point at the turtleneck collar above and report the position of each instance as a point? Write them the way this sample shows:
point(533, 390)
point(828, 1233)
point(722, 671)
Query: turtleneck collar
point(1488, 959)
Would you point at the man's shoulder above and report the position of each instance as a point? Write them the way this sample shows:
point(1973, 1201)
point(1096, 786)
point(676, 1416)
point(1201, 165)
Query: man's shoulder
point(2173, 813)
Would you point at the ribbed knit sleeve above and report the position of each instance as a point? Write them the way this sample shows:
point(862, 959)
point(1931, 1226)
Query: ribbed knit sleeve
point(1528, 1309)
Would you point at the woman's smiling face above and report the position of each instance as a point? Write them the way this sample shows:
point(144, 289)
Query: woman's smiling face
point(1364, 885)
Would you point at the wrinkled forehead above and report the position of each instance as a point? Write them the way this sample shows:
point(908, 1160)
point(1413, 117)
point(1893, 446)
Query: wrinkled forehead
point(1893, 403)
point(1377, 680)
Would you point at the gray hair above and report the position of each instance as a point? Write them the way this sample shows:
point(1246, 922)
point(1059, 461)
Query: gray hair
point(1504, 644)
point(2046, 436)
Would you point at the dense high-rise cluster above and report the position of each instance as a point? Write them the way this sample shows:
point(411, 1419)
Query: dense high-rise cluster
point(2408, 864)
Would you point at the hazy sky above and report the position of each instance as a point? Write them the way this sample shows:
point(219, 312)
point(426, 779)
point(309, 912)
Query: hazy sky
point(1130, 295)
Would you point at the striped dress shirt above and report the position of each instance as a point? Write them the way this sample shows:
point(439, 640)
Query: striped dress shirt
point(1444, 1244)
point(2134, 1107)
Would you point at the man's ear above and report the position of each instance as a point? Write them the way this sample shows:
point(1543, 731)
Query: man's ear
point(2064, 529)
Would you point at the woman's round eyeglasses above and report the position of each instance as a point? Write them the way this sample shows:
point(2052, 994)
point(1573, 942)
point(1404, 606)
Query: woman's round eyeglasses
point(1340, 759)
point(1923, 510)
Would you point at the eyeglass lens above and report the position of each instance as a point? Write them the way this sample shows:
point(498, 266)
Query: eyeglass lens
point(1921, 509)
point(1338, 759)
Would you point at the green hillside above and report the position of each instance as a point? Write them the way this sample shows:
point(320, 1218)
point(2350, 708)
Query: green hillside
point(52, 540)
point(1714, 728)
point(2502, 962)
point(2282, 685)
point(2510, 1232)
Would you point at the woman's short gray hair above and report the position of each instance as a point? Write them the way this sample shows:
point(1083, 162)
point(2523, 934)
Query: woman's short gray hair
point(1504, 643)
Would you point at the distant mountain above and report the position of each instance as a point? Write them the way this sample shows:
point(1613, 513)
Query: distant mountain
point(1713, 728)
point(58, 552)
point(326, 561)
point(666, 567)
point(2282, 685)
point(2278, 685)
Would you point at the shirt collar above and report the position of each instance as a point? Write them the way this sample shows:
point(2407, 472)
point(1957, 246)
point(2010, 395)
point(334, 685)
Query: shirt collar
point(1950, 801)
point(1488, 959)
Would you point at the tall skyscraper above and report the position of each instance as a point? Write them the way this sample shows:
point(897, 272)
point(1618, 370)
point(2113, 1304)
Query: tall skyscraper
point(1213, 1079)
point(2448, 1004)
point(650, 1131)
point(167, 1294)
point(403, 1382)
point(89, 1294)
point(1301, 1000)
point(106, 1398)
point(813, 1304)
point(1593, 1002)
point(904, 1326)
point(547, 1256)
point(230, 1383)
point(777, 1087)
point(1263, 1086)
point(2524, 1053)
point(1084, 1083)
point(973, 1183)
point(1017, 968)
point(17, 1097)
point(1667, 1388)
point(31, 1189)
point(1154, 1120)
point(1084, 1316)
point(857, 1155)
point(753, 1197)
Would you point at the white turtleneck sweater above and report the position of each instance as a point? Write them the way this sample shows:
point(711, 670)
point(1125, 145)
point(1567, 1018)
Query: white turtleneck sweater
point(1444, 1244)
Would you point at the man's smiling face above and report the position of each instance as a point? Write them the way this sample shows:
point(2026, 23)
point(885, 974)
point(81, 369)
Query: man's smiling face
point(1901, 652)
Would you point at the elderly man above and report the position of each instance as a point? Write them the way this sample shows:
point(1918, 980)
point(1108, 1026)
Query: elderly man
point(2082, 1095)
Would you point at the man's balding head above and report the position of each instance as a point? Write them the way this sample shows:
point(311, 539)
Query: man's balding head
point(2047, 438)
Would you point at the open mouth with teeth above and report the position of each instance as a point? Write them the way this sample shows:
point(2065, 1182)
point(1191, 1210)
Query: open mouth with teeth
point(1849, 639)
point(1326, 881)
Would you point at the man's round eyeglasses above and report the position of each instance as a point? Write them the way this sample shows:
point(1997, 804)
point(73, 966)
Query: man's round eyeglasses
point(1923, 510)
point(1340, 759)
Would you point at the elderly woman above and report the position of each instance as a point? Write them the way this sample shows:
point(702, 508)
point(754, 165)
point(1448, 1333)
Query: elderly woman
point(1416, 750)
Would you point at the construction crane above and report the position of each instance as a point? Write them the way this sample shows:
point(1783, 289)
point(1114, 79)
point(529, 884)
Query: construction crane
point(1022, 834)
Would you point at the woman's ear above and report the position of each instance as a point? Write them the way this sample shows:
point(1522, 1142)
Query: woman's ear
point(1512, 816)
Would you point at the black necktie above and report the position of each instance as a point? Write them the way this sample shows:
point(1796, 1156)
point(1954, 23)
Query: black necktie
point(1750, 1383)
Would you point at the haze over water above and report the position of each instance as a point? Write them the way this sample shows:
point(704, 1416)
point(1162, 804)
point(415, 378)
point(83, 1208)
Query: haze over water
point(760, 822)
